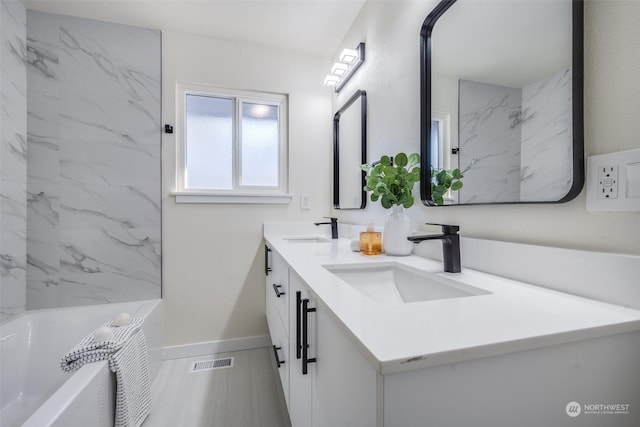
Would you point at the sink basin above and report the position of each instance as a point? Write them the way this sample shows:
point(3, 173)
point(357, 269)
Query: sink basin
point(397, 283)
point(306, 239)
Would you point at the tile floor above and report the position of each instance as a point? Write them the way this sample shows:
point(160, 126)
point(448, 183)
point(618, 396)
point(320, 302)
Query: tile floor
point(243, 396)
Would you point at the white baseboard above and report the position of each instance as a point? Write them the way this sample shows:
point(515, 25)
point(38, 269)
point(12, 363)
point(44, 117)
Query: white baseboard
point(212, 347)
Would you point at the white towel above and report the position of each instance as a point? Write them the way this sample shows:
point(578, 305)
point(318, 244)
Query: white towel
point(133, 395)
point(129, 359)
point(88, 350)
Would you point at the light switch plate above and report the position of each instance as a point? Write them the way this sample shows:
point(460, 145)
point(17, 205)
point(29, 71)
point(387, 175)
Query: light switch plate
point(304, 202)
point(616, 175)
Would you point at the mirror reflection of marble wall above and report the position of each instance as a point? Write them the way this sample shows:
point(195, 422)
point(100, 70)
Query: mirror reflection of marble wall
point(502, 71)
point(93, 211)
point(519, 140)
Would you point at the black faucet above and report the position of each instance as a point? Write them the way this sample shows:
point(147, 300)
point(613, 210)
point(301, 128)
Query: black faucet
point(334, 226)
point(450, 246)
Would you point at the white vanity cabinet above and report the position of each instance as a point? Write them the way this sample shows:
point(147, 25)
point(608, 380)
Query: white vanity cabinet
point(329, 383)
point(303, 329)
point(515, 355)
point(277, 310)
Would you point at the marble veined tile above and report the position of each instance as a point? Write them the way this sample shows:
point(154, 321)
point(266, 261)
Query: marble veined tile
point(43, 40)
point(43, 110)
point(490, 123)
point(43, 161)
point(43, 269)
point(547, 139)
point(13, 209)
point(13, 80)
point(43, 207)
point(94, 143)
point(13, 156)
point(97, 55)
point(108, 116)
point(109, 82)
point(109, 265)
point(98, 163)
point(12, 271)
point(109, 206)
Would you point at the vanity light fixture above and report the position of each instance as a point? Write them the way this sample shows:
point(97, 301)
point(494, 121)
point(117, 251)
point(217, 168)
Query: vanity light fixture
point(331, 80)
point(349, 56)
point(339, 69)
point(349, 61)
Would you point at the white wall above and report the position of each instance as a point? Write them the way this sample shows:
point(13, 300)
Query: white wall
point(612, 89)
point(213, 273)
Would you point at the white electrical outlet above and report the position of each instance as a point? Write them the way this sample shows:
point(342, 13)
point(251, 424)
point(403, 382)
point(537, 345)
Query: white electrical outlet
point(304, 202)
point(608, 182)
point(613, 182)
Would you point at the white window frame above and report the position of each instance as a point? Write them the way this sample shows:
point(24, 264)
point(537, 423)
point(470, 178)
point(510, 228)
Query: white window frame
point(239, 193)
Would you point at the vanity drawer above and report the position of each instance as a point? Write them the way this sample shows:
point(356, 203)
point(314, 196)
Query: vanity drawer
point(280, 348)
point(278, 288)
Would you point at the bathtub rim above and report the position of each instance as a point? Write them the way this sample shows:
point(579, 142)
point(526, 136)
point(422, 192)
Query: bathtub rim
point(63, 397)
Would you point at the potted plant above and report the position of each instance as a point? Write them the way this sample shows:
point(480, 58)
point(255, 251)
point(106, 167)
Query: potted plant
point(391, 181)
point(443, 180)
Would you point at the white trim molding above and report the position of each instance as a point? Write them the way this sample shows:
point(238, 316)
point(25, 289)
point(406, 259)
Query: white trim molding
point(212, 347)
point(239, 198)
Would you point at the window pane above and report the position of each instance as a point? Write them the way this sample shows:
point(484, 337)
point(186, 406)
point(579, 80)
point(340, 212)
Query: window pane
point(259, 145)
point(435, 144)
point(209, 146)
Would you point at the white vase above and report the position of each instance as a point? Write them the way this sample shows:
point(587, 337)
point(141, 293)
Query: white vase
point(397, 228)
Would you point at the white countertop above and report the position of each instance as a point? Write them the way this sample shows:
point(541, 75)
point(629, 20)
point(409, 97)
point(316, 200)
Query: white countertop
point(397, 337)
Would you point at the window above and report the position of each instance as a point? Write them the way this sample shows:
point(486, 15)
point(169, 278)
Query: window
point(440, 145)
point(231, 146)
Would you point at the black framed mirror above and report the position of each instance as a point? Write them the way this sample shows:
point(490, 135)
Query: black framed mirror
point(349, 152)
point(501, 94)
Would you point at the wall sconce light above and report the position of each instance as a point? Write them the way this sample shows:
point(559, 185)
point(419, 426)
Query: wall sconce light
point(349, 61)
point(339, 69)
point(331, 80)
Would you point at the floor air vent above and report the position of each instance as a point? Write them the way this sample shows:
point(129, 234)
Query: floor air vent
point(210, 365)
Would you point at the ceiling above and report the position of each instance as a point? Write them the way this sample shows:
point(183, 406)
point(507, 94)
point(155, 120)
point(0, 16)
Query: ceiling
point(315, 27)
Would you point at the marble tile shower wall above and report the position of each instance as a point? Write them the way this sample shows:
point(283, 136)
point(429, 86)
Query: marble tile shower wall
point(13, 158)
point(514, 133)
point(547, 135)
point(93, 184)
point(490, 136)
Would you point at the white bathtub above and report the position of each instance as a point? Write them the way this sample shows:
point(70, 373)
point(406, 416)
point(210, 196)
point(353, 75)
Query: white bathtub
point(34, 392)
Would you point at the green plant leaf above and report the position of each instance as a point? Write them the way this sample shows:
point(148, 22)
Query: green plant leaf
point(414, 159)
point(456, 173)
point(401, 159)
point(390, 171)
point(408, 203)
point(386, 203)
point(456, 185)
point(385, 161)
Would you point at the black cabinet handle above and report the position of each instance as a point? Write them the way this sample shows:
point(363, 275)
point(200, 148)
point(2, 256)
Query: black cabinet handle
point(298, 308)
point(276, 289)
point(305, 336)
point(267, 269)
point(275, 352)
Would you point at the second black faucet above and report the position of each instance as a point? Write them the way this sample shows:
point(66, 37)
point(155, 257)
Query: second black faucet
point(334, 226)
